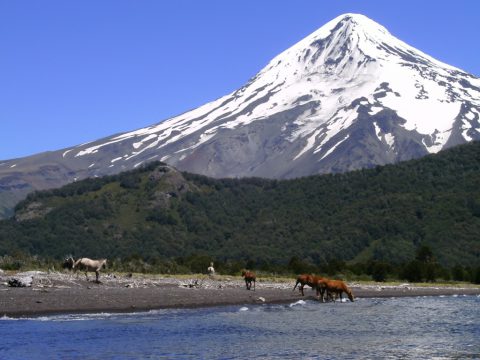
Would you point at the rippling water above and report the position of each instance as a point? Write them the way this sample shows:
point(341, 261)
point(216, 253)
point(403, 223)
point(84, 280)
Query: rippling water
point(417, 328)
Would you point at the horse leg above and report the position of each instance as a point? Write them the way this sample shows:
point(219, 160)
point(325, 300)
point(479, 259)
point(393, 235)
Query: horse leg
point(321, 292)
point(254, 282)
point(301, 289)
point(86, 275)
point(96, 275)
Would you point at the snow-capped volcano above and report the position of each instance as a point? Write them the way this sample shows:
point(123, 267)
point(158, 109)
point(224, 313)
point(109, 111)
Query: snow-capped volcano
point(348, 96)
point(311, 99)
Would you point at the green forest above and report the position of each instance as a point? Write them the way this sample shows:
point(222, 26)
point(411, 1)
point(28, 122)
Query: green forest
point(418, 220)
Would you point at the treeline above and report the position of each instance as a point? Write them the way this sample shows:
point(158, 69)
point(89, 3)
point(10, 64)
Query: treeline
point(127, 180)
point(371, 221)
point(423, 268)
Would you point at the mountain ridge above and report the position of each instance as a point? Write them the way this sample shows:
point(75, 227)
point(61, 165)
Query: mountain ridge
point(348, 96)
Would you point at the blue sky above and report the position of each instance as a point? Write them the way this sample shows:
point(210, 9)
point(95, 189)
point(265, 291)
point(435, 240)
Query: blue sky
point(75, 71)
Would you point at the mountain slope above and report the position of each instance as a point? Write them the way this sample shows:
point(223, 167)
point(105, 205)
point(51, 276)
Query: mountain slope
point(348, 96)
point(384, 213)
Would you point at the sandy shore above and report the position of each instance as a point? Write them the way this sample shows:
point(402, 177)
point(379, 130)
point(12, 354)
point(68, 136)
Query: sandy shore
point(54, 293)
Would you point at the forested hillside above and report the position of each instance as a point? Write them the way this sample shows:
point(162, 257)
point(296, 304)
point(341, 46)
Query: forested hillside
point(157, 213)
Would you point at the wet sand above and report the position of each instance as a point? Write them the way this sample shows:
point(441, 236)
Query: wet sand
point(61, 293)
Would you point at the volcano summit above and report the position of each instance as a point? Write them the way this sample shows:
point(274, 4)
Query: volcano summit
point(348, 96)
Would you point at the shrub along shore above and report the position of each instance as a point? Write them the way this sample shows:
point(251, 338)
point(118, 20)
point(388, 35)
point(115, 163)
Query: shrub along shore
point(423, 268)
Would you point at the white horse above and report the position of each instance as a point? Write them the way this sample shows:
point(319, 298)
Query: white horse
point(85, 264)
point(211, 270)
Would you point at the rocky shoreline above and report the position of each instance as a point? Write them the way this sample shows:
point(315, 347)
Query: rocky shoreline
point(62, 293)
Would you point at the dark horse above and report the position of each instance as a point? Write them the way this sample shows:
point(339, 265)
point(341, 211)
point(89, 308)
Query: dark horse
point(249, 278)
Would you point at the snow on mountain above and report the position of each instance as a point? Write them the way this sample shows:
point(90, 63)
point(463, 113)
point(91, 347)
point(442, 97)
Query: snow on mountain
point(349, 63)
point(348, 96)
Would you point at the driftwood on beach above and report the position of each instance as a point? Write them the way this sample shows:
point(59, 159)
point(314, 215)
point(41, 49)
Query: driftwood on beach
point(21, 282)
point(63, 292)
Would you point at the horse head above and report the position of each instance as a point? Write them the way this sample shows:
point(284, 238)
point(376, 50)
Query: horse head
point(350, 295)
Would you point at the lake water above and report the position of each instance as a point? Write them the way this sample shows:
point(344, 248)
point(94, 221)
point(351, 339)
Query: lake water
point(395, 328)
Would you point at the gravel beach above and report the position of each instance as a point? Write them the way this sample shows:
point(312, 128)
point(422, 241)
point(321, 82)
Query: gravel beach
point(61, 293)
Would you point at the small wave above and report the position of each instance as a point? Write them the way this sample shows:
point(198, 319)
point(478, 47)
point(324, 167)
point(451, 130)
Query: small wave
point(67, 317)
point(37, 318)
point(244, 308)
point(23, 318)
point(299, 302)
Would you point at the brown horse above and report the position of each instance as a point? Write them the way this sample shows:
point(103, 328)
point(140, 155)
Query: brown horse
point(249, 278)
point(306, 279)
point(333, 287)
point(321, 287)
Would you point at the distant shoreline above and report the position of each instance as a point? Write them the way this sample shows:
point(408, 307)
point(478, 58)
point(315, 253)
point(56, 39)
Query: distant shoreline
point(61, 293)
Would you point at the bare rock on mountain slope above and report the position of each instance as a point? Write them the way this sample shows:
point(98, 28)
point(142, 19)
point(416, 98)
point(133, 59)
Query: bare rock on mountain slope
point(348, 96)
